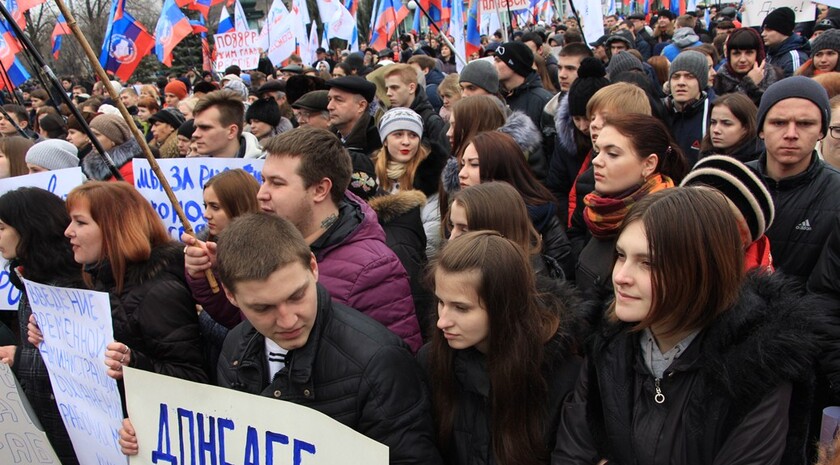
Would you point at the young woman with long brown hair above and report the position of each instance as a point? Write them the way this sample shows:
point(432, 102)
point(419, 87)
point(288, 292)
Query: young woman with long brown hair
point(503, 357)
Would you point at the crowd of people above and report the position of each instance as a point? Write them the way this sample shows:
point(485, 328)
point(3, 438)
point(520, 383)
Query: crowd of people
point(551, 251)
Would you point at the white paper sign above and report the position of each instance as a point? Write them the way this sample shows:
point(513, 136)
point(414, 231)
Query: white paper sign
point(76, 325)
point(492, 6)
point(60, 183)
point(21, 441)
point(240, 48)
point(756, 10)
point(187, 177)
point(181, 422)
point(593, 19)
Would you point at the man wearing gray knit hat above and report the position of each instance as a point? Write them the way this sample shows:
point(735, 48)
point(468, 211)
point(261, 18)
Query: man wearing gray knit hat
point(688, 105)
point(792, 117)
point(51, 154)
point(479, 77)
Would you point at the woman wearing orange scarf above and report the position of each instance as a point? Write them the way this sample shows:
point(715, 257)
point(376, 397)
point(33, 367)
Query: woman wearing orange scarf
point(637, 156)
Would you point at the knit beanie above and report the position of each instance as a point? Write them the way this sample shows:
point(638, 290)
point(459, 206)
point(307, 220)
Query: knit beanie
point(517, 56)
point(53, 154)
point(828, 40)
point(591, 78)
point(265, 110)
point(781, 20)
point(623, 61)
point(187, 129)
point(399, 119)
point(113, 127)
point(740, 185)
point(695, 64)
point(176, 87)
point(170, 116)
point(481, 73)
point(795, 87)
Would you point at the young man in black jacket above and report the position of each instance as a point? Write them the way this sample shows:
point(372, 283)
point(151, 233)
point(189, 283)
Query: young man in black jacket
point(300, 346)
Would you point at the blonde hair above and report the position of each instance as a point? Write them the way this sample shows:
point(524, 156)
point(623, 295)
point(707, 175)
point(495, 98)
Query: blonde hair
point(621, 97)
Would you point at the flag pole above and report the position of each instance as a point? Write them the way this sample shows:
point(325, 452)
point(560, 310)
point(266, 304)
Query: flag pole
point(141, 140)
point(42, 65)
point(442, 35)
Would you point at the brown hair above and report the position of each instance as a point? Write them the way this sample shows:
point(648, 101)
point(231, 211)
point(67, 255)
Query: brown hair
point(621, 97)
point(575, 50)
point(501, 159)
point(473, 115)
point(689, 292)
point(542, 70)
point(518, 328)
point(660, 65)
point(424, 61)
point(130, 227)
point(321, 156)
point(228, 103)
point(649, 135)
point(256, 245)
point(406, 181)
point(236, 191)
point(830, 82)
point(497, 206)
point(15, 148)
point(407, 73)
point(744, 110)
point(149, 104)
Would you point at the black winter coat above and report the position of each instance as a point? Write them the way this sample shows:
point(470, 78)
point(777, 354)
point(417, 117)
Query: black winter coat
point(746, 152)
point(568, 157)
point(806, 208)
point(790, 54)
point(434, 129)
point(740, 393)
point(155, 314)
point(351, 369)
point(471, 441)
point(529, 98)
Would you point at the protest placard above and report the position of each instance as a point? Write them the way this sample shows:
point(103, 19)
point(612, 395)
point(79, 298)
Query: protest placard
point(60, 183)
point(237, 48)
point(181, 422)
point(187, 177)
point(492, 6)
point(76, 325)
point(21, 440)
point(755, 11)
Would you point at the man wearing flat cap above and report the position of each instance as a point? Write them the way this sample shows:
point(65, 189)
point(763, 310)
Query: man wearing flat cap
point(349, 98)
point(311, 109)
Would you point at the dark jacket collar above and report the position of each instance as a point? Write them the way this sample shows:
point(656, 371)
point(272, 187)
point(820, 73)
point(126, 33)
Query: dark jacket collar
point(791, 182)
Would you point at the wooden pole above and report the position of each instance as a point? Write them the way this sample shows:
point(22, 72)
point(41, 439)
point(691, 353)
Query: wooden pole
point(94, 61)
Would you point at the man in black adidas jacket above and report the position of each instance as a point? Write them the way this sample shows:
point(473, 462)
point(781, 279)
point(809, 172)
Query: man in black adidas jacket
point(793, 116)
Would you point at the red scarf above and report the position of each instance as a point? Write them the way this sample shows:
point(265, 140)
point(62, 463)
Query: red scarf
point(603, 215)
point(758, 255)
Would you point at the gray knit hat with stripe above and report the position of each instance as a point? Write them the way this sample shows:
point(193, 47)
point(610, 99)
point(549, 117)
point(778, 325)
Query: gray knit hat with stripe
point(399, 119)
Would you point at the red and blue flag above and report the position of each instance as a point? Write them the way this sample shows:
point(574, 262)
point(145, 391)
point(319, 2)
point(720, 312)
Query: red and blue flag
point(171, 29)
point(15, 74)
point(126, 43)
point(473, 44)
point(225, 22)
point(388, 17)
point(9, 46)
point(61, 28)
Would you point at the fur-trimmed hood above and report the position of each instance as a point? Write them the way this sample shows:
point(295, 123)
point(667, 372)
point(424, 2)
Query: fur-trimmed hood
point(391, 207)
point(95, 167)
point(524, 132)
point(566, 300)
point(565, 126)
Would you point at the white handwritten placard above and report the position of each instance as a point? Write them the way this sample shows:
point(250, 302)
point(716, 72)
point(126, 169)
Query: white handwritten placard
point(76, 325)
point(21, 440)
point(239, 48)
point(755, 11)
point(181, 422)
point(187, 177)
point(60, 183)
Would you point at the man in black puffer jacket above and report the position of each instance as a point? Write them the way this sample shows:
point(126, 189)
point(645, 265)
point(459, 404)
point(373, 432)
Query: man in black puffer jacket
point(299, 346)
point(792, 117)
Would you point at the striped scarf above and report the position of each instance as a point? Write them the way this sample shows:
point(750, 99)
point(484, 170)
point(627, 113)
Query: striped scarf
point(603, 215)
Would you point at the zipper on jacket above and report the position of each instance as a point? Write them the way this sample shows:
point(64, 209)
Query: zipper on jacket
point(659, 398)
